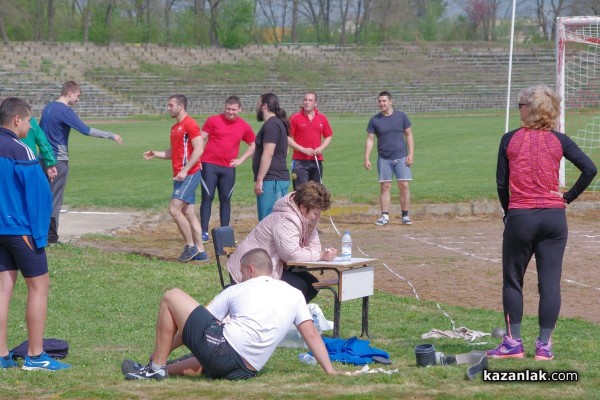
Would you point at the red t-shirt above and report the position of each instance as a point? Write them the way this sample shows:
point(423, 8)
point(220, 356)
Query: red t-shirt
point(224, 138)
point(182, 134)
point(534, 163)
point(308, 133)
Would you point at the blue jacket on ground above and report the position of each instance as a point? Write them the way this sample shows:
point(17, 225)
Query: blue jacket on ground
point(25, 197)
point(352, 351)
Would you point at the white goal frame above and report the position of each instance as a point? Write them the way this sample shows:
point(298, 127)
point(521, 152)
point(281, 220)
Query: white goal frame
point(579, 31)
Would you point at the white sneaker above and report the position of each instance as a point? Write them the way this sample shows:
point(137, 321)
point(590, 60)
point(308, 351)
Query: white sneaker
point(406, 220)
point(383, 220)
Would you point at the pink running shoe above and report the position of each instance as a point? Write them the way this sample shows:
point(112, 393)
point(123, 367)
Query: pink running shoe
point(543, 352)
point(509, 348)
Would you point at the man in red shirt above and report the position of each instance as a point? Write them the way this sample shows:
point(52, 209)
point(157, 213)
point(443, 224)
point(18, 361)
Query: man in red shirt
point(307, 127)
point(224, 133)
point(185, 151)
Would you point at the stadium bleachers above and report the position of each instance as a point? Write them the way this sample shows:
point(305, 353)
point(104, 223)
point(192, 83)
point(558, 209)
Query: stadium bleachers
point(454, 78)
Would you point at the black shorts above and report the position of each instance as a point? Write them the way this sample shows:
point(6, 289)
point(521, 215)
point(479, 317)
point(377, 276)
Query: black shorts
point(203, 335)
point(19, 252)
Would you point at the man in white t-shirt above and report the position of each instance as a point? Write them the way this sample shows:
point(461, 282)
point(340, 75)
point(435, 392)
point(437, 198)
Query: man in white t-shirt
point(261, 311)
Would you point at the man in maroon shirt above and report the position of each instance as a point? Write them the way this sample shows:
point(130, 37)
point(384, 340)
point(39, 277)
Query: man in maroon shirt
point(307, 127)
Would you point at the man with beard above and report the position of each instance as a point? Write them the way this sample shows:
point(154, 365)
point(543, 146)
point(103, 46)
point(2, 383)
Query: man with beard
point(271, 176)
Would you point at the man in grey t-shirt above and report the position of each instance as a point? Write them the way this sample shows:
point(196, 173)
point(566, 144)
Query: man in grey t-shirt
point(395, 150)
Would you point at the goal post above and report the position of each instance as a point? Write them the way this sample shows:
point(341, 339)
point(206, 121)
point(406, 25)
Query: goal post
point(578, 84)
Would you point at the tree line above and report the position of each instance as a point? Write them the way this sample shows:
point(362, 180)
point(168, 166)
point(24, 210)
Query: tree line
point(237, 23)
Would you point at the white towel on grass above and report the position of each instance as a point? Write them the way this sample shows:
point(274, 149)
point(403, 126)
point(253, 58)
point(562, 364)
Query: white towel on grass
point(458, 333)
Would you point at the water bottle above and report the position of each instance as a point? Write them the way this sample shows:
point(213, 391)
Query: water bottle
point(315, 319)
point(307, 359)
point(346, 247)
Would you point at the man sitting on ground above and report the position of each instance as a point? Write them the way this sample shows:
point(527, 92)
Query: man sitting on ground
point(261, 308)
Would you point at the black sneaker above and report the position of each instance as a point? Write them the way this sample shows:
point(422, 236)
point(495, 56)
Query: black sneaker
point(129, 366)
point(189, 252)
point(147, 372)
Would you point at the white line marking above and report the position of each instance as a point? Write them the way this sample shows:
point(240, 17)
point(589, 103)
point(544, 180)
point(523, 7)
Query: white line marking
point(94, 213)
point(580, 284)
point(494, 260)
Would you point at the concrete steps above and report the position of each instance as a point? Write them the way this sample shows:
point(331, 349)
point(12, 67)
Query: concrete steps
point(444, 78)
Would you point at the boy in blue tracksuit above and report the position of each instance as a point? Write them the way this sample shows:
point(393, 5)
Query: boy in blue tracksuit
point(25, 207)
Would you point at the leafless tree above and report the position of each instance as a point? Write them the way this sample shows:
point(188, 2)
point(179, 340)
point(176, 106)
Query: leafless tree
point(586, 7)
point(38, 19)
point(138, 10)
point(344, 6)
point(8, 10)
point(542, 18)
point(199, 10)
point(85, 10)
point(2, 27)
point(213, 21)
point(362, 19)
point(294, 33)
point(51, 15)
point(547, 11)
point(387, 13)
point(318, 13)
point(110, 6)
point(275, 13)
point(481, 15)
point(168, 6)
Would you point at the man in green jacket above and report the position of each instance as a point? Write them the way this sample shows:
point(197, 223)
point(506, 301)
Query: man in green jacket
point(37, 138)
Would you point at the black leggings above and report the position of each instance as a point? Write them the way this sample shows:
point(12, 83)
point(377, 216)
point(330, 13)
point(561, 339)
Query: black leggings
point(542, 232)
point(302, 281)
point(216, 177)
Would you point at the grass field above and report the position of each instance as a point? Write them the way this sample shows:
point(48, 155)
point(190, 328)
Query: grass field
point(105, 304)
point(454, 161)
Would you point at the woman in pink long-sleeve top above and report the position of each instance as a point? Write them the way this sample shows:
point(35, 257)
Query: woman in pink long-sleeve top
point(289, 234)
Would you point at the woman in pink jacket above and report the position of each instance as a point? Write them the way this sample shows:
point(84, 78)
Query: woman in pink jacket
point(289, 234)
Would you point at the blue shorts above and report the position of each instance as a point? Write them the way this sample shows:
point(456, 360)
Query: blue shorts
point(388, 168)
point(272, 191)
point(186, 189)
point(203, 335)
point(19, 253)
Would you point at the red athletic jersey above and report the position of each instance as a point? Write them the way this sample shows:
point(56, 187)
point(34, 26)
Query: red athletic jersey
point(528, 166)
point(534, 162)
point(224, 138)
point(182, 134)
point(308, 133)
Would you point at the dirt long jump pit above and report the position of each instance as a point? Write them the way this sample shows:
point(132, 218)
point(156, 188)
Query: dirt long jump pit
point(449, 259)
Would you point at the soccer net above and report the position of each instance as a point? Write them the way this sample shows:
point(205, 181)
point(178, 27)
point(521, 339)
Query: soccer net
point(578, 83)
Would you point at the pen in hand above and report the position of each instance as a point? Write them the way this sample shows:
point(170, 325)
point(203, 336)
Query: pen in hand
point(329, 254)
